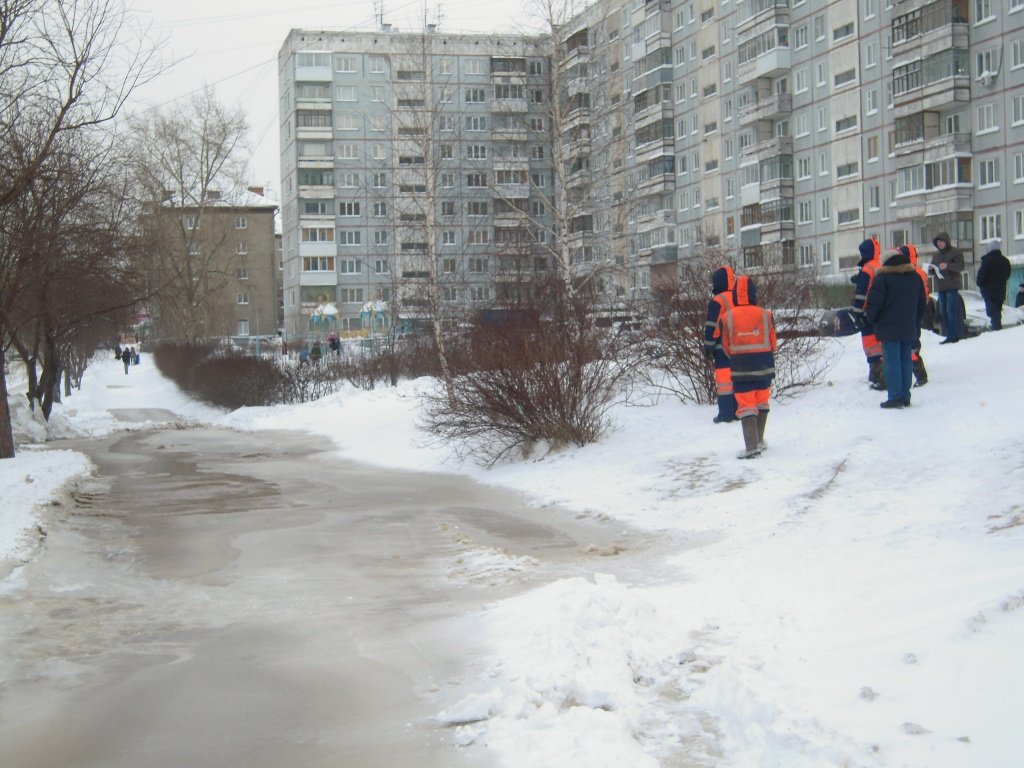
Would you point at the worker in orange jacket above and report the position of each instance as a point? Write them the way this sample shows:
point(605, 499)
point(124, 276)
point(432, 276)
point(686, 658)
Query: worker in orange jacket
point(723, 280)
point(920, 372)
point(747, 334)
point(870, 261)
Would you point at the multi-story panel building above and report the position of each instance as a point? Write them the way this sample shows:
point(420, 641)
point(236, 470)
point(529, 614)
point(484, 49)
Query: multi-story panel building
point(412, 164)
point(775, 133)
point(216, 264)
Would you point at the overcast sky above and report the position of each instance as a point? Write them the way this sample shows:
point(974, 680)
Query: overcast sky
point(233, 45)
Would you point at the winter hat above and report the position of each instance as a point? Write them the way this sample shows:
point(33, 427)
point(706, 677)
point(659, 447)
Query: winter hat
point(993, 244)
point(867, 249)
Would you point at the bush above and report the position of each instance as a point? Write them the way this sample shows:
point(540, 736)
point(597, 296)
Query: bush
point(535, 372)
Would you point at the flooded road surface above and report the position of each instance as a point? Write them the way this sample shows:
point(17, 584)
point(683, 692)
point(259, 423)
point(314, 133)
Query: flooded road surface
point(219, 599)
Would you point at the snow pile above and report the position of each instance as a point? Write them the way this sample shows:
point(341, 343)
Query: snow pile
point(854, 597)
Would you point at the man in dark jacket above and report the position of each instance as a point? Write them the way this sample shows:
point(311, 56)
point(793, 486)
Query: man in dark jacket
point(950, 263)
point(993, 275)
point(895, 307)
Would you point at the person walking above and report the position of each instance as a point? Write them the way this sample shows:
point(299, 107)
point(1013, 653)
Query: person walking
point(723, 280)
point(949, 262)
point(870, 260)
point(1019, 301)
point(126, 358)
point(993, 275)
point(917, 362)
point(747, 333)
point(895, 307)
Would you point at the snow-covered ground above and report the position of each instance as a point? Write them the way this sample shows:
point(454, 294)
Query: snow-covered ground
point(854, 597)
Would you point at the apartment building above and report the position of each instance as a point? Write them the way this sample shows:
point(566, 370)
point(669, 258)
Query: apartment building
point(411, 163)
point(216, 260)
point(775, 133)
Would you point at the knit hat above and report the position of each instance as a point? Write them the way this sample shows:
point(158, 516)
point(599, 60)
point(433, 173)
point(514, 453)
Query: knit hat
point(993, 244)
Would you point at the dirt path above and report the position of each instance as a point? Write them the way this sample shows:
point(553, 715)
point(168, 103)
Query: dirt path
point(217, 599)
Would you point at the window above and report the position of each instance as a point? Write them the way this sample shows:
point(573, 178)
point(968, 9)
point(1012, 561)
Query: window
point(845, 77)
point(822, 119)
point(447, 180)
point(444, 67)
point(476, 123)
point(377, 64)
point(312, 59)
point(378, 123)
point(476, 95)
point(317, 263)
point(380, 237)
point(474, 67)
point(871, 101)
point(991, 227)
point(381, 267)
point(350, 237)
point(380, 180)
point(803, 167)
point(825, 208)
point(983, 11)
point(476, 180)
point(988, 173)
point(242, 298)
point(842, 32)
point(242, 329)
point(870, 55)
point(351, 266)
point(822, 74)
point(1018, 224)
point(476, 152)
point(849, 216)
point(315, 208)
point(242, 248)
point(446, 152)
point(346, 93)
point(1018, 110)
point(872, 148)
point(1018, 168)
point(348, 209)
point(191, 222)
point(478, 237)
point(316, 234)
point(801, 80)
point(800, 37)
point(806, 255)
point(846, 124)
point(447, 207)
point(819, 27)
point(476, 208)
point(804, 212)
point(847, 169)
point(987, 118)
point(826, 253)
point(241, 222)
point(448, 238)
point(874, 197)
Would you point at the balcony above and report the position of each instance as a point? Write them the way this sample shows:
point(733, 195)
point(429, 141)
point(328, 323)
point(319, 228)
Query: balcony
point(777, 145)
point(510, 106)
point(946, 201)
point(655, 219)
point(769, 64)
point(757, 11)
point(321, 277)
point(767, 108)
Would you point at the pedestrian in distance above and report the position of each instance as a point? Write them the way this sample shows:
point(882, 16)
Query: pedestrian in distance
point(947, 265)
point(895, 307)
point(723, 281)
point(747, 334)
point(126, 358)
point(1019, 301)
point(992, 277)
point(870, 260)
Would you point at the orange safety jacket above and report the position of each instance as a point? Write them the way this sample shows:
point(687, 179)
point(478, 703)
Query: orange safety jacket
point(748, 336)
point(872, 346)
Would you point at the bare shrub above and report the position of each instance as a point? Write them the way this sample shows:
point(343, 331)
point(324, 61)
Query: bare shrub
point(536, 371)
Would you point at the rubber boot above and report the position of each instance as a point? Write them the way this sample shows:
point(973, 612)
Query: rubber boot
point(920, 372)
point(876, 374)
point(726, 409)
point(762, 420)
point(750, 448)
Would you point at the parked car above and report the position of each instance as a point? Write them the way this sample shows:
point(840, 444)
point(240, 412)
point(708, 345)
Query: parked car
point(976, 319)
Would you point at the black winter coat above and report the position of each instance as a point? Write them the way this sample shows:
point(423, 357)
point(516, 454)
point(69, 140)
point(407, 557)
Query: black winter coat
point(993, 275)
point(896, 301)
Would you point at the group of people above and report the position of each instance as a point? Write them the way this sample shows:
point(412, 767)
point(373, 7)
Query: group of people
point(739, 338)
point(128, 356)
point(891, 299)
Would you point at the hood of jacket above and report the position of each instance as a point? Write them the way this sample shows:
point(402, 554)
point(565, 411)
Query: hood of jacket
point(745, 291)
point(869, 249)
point(944, 237)
point(723, 279)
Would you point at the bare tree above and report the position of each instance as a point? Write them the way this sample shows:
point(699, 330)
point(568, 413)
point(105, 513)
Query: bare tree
point(65, 69)
point(188, 161)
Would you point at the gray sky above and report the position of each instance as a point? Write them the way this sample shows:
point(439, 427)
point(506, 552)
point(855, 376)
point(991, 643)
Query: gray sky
point(233, 45)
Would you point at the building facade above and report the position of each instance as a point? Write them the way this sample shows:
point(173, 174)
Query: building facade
point(412, 164)
point(215, 265)
point(775, 133)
